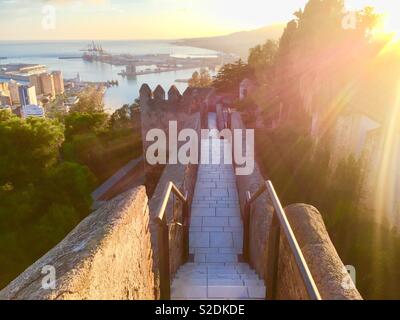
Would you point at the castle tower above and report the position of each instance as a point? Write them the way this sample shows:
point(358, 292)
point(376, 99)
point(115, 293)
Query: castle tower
point(159, 94)
point(174, 96)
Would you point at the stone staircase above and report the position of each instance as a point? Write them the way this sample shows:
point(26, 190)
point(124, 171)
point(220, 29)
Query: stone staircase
point(216, 236)
point(217, 281)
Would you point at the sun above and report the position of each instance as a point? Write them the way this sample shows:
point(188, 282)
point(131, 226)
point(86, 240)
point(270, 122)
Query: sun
point(391, 25)
point(387, 31)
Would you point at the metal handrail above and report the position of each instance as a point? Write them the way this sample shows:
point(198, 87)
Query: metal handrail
point(279, 221)
point(163, 237)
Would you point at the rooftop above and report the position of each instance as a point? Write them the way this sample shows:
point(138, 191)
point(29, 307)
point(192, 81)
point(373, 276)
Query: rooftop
point(21, 68)
point(32, 110)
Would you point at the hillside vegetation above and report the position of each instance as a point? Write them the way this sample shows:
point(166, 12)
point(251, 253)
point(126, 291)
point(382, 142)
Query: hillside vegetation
point(48, 170)
point(317, 63)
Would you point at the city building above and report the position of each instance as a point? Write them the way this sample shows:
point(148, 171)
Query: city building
point(4, 87)
point(20, 71)
point(27, 95)
point(32, 110)
point(48, 84)
point(5, 100)
point(14, 94)
point(34, 80)
point(58, 82)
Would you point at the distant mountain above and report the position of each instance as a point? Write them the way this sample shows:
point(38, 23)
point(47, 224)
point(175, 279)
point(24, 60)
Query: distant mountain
point(238, 43)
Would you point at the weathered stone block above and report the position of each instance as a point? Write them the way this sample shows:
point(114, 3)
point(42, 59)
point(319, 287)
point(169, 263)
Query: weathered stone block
point(107, 256)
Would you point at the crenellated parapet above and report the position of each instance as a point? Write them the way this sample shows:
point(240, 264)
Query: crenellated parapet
point(145, 93)
point(157, 112)
point(159, 94)
point(192, 99)
point(174, 96)
point(157, 98)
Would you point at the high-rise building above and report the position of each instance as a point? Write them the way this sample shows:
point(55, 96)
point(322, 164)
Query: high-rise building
point(27, 95)
point(5, 100)
point(48, 84)
point(34, 80)
point(4, 87)
point(58, 82)
point(14, 94)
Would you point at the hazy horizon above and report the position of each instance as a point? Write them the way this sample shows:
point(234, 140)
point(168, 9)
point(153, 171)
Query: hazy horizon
point(135, 20)
point(134, 39)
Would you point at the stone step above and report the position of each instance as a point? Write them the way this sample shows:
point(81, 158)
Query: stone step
point(220, 275)
point(217, 270)
point(227, 290)
point(226, 267)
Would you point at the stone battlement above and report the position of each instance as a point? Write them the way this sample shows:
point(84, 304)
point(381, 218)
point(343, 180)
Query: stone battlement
point(190, 101)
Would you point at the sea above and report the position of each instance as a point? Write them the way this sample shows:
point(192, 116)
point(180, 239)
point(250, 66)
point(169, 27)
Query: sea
point(48, 53)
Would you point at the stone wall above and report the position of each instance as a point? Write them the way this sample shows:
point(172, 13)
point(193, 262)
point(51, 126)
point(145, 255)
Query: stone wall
point(325, 265)
point(184, 177)
point(261, 210)
point(107, 256)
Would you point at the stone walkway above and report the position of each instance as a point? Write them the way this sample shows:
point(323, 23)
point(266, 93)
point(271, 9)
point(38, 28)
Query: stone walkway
point(216, 236)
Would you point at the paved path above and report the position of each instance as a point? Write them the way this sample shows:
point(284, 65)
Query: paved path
point(216, 235)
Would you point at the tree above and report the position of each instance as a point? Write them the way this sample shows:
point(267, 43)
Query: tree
point(41, 197)
point(121, 118)
point(29, 147)
point(71, 184)
point(91, 100)
point(262, 61)
point(103, 143)
point(5, 115)
point(200, 80)
point(230, 75)
point(317, 60)
point(83, 122)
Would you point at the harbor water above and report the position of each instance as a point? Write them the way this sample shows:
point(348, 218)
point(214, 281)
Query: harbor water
point(48, 53)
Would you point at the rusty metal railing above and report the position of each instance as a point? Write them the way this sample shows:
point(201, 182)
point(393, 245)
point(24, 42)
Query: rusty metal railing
point(163, 237)
point(279, 222)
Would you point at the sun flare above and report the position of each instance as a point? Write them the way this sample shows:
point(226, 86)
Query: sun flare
point(391, 27)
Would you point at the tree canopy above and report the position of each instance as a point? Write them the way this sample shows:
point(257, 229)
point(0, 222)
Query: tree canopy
point(41, 197)
point(230, 76)
point(200, 79)
point(48, 170)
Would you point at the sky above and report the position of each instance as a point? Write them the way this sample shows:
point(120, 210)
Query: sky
point(151, 19)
